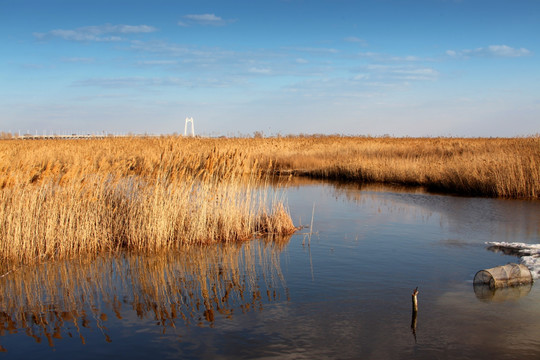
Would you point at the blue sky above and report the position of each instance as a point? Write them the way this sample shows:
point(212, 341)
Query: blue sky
point(404, 68)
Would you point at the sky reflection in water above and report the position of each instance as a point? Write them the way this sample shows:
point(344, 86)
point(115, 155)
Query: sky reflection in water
point(345, 293)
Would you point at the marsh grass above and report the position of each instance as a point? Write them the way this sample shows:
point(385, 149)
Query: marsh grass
point(63, 199)
point(70, 198)
point(498, 167)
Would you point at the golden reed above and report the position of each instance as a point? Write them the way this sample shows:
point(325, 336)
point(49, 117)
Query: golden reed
point(63, 199)
point(494, 167)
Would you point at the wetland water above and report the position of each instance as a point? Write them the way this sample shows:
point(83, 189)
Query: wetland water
point(345, 293)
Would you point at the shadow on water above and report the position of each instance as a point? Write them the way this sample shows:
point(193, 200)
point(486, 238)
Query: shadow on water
point(195, 286)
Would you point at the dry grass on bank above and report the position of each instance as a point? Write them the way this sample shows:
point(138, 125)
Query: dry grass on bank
point(66, 199)
point(498, 167)
point(507, 168)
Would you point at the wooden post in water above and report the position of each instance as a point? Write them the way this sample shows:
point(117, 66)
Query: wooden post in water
point(414, 312)
point(415, 300)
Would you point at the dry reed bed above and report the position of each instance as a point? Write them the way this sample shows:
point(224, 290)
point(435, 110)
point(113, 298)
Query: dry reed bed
point(494, 167)
point(66, 199)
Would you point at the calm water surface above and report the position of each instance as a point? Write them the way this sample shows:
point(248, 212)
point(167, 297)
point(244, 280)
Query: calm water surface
point(343, 292)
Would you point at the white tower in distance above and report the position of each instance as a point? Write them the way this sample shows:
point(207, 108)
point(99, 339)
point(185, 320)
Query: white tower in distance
point(189, 120)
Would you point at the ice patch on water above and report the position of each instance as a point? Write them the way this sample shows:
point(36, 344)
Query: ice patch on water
point(528, 253)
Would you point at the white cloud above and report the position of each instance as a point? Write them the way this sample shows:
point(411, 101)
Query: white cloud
point(416, 74)
point(361, 77)
point(400, 73)
point(405, 58)
point(357, 40)
point(130, 29)
point(160, 47)
point(203, 19)
point(255, 70)
point(143, 83)
point(80, 60)
point(132, 82)
point(186, 54)
point(490, 51)
point(158, 62)
point(107, 32)
point(33, 66)
point(314, 50)
point(234, 63)
point(368, 54)
point(388, 58)
point(507, 51)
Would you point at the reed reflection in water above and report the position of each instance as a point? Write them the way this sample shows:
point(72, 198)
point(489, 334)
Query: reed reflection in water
point(193, 286)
